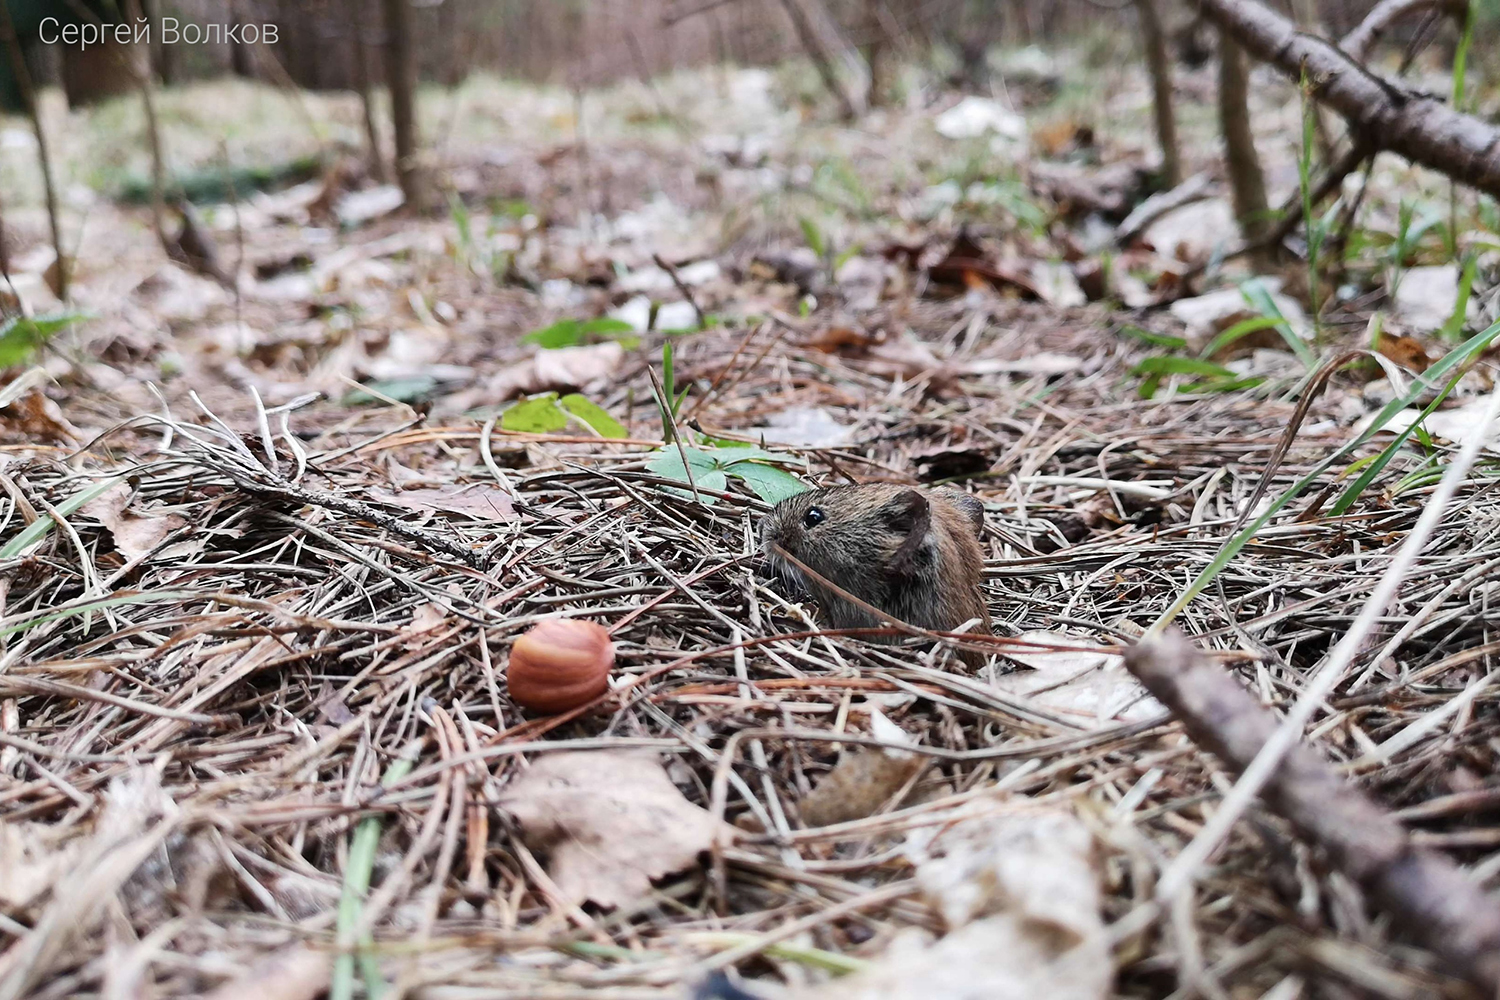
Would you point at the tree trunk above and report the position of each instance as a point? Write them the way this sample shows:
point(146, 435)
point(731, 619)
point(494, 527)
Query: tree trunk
point(1246, 180)
point(374, 153)
point(28, 98)
point(877, 52)
point(1423, 129)
point(241, 58)
point(4, 251)
point(401, 77)
point(163, 56)
point(141, 65)
point(819, 55)
point(1160, 66)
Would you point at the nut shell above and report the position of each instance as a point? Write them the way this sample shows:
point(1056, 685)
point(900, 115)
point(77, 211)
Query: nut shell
point(559, 664)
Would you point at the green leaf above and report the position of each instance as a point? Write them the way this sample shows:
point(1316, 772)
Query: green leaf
point(594, 415)
point(1163, 365)
point(814, 236)
point(358, 867)
point(563, 333)
point(669, 386)
point(403, 390)
point(573, 332)
point(45, 616)
point(667, 462)
point(537, 415)
point(605, 325)
point(715, 480)
point(739, 451)
point(846, 256)
point(771, 484)
point(21, 336)
point(1373, 466)
point(461, 220)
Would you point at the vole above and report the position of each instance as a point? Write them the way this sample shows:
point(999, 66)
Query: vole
point(913, 554)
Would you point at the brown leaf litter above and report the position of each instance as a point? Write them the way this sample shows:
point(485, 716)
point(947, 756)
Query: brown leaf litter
point(608, 822)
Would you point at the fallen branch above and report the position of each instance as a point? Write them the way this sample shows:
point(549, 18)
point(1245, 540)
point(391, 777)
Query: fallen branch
point(1423, 129)
point(1432, 897)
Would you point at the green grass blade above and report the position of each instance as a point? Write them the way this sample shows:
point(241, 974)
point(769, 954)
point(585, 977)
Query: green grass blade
point(37, 530)
point(356, 884)
point(1257, 295)
point(1453, 329)
point(1165, 365)
point(1243, 328)
point(1452, 360)
point(31, 620)
point(1373, 468)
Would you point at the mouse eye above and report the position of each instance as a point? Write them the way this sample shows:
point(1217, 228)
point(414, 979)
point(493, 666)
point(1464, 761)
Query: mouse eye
point(813, 517)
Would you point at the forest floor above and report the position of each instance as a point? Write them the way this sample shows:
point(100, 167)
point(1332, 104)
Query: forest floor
point(267, 538)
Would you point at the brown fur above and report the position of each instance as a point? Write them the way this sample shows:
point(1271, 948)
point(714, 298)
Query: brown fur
point(914, 554)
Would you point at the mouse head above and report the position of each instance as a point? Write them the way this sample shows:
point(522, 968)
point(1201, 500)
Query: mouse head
point(854, 534)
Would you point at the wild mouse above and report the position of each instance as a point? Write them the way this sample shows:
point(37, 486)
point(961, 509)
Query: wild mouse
point(911, 553)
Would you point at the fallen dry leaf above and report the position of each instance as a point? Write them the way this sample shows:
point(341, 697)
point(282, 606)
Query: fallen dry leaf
point(1426, 297)
point(609, 821)
point(839, 338)
point(1193, 232)
point(331, 706)
point(135, 533)
point(296, 973)
point(427, 618)
point(1407, 352)
point(1020, 896)
point(1079, 190)
point(966, 263)
point(804, 427)
point(1036, 363)
point(864, 778)
point(487, 503)
point(30, 864)
point(562, 368)
point(905, 356)
point(359, 207)
point(1213, 313)
point(1087, 685)
point(34, 417)
point(975, 116)
point(1456, 425)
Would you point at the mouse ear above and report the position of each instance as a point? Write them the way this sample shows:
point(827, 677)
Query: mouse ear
point(911, 514)
point(971, 506)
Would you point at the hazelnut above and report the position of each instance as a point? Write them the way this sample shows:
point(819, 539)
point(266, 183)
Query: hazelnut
point(559, 664)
